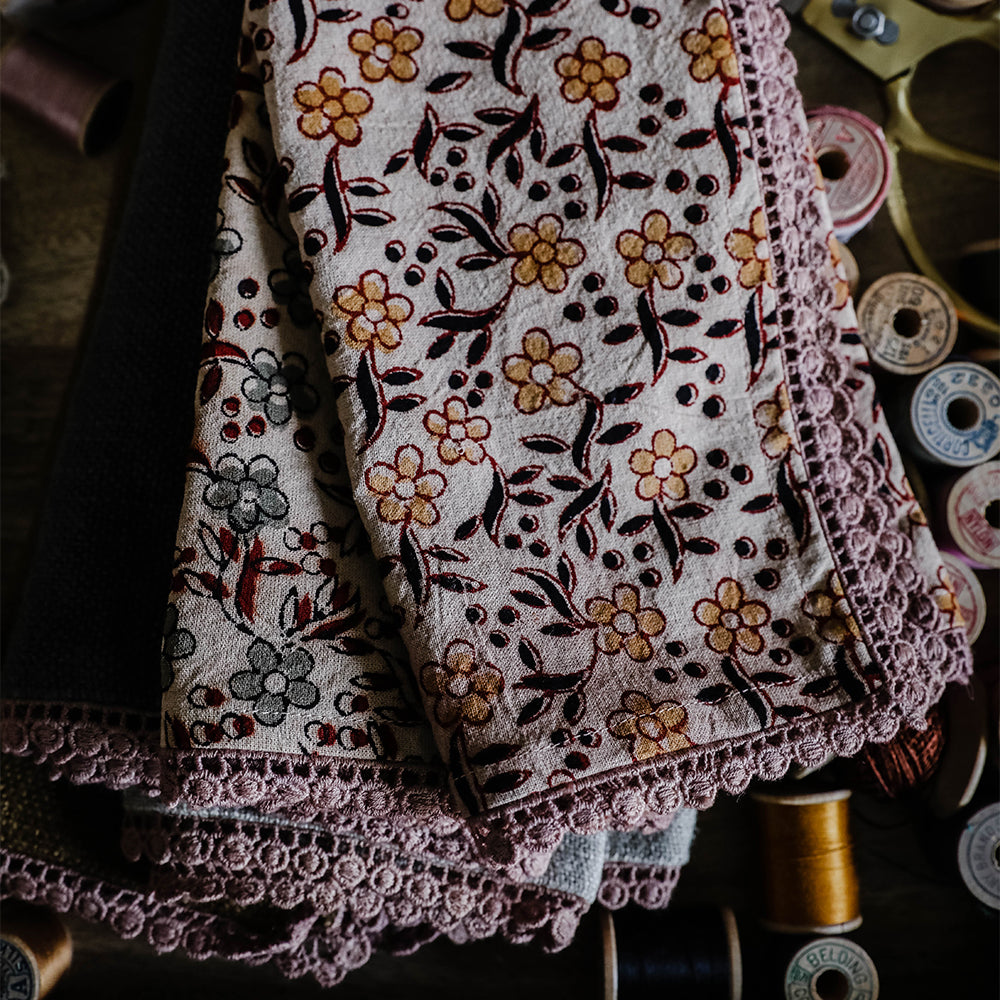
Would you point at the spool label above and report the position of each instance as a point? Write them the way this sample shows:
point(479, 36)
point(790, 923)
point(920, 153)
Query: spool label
point(842, 958)
point(978, 855)
point(18, 974)
point(955, 414)
point(855, 195)
point(970, 500)
point(907, 323)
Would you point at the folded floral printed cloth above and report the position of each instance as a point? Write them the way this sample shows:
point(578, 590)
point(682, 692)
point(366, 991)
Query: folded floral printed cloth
point(640, 524)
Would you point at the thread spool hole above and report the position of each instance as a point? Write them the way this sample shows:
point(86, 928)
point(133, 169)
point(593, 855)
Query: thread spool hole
point(833, 164)
point(992, 514)
point(832, 984)
point(996, 855)
point(963, 413)
point(906, 322)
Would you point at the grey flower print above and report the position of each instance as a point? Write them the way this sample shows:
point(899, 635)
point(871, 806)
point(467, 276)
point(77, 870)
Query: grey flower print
point(178, 644)
point(280, 385)
point(275, 682)
point(225, 243)
point(246, 491)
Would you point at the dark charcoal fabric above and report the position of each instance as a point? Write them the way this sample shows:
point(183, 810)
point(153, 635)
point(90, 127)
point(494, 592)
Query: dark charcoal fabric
point(91, 611)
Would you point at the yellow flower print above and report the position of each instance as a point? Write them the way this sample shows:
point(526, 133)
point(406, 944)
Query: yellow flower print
point(947, 600)
point(373, 315)
point(459, 10)
point(732, 620)
point(712, 48)
point(541, 372)
point(753, 250)
point(624, 623)
point(591, 72)
point(661, 471)
point(831, 611)
point(328, 106)
point(405, 490)
point(541, 255)
point(775, 417)
point(385, 51)
point(458, 434)
point(654, 252)
point(841, 286)
point(652, 730)
point(463, 690)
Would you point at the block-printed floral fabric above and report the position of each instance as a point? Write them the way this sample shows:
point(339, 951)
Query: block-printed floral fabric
point(606, 419)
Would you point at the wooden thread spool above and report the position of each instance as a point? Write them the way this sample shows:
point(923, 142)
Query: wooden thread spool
point(35, 950)
point(954, 414)
point(692, 951)
point(961, 765)
point(968, 594)
point(84, 105)
point(972, 516)
point(853, 158)
point(810, 883)
point(831, 969)
point(907, 323)
point(979, 855)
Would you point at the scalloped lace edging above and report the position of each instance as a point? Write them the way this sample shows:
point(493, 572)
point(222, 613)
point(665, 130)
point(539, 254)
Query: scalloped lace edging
point(378, 888)
point(85, 744)
point(645, 885)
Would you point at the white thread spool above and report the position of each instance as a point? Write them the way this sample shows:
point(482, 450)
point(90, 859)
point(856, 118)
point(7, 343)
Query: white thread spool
point(854, 160)
point(831, 969)
point(907, 323)
point(979, 855)
point(955, 414)
point(972, 514)
point(968, 593)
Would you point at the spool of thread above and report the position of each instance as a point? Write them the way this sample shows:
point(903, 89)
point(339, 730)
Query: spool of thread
point(907, 761)
point(810, 882)
point(968, 594)
point(82, 104)
point(963, 711)
point(907, 323)
point(954, 414)
point(35, 950)
point(831, 969)
point(972, 516)
point(854, 160)
point(692, 951)
point(979, 855)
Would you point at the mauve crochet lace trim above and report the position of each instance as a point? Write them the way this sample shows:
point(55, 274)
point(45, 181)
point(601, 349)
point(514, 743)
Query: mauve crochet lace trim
point(372, 887)
point(645, 885)
point(869, 549)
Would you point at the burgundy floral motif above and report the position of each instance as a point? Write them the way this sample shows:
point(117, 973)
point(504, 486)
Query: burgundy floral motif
point(831, 611)
point(653, 253)
point(652, 730)
point(661, 471)
point(406, 490)
point(374, 315)
point(463, 689)
point(592, 72)
point(542, 372)
point(459, 435)
point(624, 624)
point(328, 106)
point(733, 621)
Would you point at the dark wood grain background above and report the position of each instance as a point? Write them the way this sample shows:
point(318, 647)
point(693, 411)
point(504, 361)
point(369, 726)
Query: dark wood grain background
point(925, 933)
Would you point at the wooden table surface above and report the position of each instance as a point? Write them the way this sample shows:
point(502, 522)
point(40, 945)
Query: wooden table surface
point(925, 933)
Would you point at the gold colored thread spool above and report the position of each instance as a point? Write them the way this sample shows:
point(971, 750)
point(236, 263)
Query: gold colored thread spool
point(810, 882)
point(36, 950)
point(907, 323)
